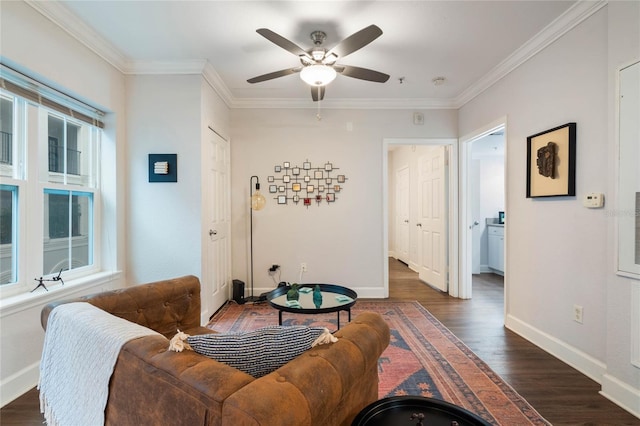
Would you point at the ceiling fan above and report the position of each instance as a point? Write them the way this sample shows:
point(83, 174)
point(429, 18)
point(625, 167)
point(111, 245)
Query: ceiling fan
point(319, 66)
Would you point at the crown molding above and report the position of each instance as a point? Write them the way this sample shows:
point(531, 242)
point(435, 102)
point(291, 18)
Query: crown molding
point(213, 78)
point(70, 23)
point(273, 103)
point(195, 66)
point(573, 16)
point(76, 28)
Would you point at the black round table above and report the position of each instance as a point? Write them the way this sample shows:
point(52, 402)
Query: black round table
point(416, 411)
point(335, 298)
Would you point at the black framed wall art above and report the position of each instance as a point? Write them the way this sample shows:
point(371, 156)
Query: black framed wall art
point(551, 162)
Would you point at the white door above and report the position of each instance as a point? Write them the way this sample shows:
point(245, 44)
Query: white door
point(216, 280)
point(476, 227)
point(402, 214)
point(432, 244)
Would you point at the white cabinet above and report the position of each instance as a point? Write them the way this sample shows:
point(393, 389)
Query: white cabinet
point(496, 248)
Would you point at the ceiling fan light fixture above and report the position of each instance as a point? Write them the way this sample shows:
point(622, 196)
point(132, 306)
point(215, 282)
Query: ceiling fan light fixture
point(318, 75)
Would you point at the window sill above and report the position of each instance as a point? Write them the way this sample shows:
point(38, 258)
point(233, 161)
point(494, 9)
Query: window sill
point(24, 301)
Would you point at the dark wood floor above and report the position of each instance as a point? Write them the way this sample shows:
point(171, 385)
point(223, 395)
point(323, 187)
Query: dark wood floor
point(560, 393)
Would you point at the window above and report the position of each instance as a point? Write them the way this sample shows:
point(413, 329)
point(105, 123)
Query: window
point(64, 156)
point(8, 228)
point(6, 132)
point(58, 182)
point(68, 230)
point(8, 195)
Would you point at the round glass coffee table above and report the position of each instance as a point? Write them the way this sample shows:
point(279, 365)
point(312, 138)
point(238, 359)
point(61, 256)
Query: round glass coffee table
point(335, 298)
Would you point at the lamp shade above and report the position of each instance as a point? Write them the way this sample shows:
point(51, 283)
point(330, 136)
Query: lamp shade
point(257, 201)
point(318, 75)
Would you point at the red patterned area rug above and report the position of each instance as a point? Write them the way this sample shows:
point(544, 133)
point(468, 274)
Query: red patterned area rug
point(424, 358)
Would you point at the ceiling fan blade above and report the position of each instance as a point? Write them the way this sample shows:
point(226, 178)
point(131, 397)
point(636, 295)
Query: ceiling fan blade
point(317, 93)
point(362, 73)
point(273, 75)
point(356, 41)
point(282, 42)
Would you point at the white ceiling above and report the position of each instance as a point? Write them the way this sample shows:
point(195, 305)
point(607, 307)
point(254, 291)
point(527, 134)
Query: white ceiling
point(470, 43)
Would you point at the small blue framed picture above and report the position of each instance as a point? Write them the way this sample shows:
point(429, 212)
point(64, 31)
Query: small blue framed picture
point(163, 167)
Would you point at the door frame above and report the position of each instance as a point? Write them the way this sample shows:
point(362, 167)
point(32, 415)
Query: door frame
point(453, 215)
point(466, 214)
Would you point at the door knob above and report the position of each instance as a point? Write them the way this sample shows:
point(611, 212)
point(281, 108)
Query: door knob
point(419, 224)
point(475, 223)
point(212, 232)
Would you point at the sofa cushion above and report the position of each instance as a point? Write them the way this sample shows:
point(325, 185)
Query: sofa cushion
point(257, 352)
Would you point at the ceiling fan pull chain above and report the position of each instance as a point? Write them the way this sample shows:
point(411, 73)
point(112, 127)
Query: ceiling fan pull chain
point(318, 116)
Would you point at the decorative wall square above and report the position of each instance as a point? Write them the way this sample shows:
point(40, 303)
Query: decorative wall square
point(163, 167)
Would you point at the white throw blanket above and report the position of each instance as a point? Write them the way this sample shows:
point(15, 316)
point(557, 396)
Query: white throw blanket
point(81, 346)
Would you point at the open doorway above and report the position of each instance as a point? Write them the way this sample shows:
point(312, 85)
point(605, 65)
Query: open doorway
point(487, 194)
point(426, 241)
point(483, 206)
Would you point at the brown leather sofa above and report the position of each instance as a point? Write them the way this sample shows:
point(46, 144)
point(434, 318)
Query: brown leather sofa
point(327, 385)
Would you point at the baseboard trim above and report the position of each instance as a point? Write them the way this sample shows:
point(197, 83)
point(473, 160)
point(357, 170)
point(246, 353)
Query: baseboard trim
point(621, 394)
point(19, 383)
point(586, 364)
point(615, 390)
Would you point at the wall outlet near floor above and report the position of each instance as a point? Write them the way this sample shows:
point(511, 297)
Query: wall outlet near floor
point(577, 313)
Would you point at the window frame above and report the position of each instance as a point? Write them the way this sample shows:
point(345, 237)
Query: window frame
point(30, 175)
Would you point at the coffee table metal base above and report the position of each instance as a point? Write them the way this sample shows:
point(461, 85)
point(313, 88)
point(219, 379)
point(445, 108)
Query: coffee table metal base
point(337, 313)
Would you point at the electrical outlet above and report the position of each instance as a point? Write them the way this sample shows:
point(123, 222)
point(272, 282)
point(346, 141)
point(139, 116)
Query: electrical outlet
point(577, 313)
point(303, 266)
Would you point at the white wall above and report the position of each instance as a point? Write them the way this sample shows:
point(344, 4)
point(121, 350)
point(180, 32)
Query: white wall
point(558, 252)
point(44, 50)
point(342, 242)
point(163, 229)
point(168, 114)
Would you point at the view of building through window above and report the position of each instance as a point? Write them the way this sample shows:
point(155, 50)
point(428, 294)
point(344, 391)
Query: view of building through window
point(66, 164)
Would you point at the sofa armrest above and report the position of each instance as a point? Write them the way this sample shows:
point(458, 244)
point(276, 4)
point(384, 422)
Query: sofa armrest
point(309, 389)
point(163, 306)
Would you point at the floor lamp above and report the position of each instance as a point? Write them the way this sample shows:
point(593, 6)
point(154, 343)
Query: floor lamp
point(257, 203)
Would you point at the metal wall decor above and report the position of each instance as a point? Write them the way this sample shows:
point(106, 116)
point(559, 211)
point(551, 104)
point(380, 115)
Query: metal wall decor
point(305, 185)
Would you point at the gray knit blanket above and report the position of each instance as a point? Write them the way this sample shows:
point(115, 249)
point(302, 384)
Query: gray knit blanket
point(81, 346)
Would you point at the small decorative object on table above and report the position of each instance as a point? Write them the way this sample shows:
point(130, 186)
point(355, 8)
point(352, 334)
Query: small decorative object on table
point(317, 296)
point(293, 304)
point(293, 293)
